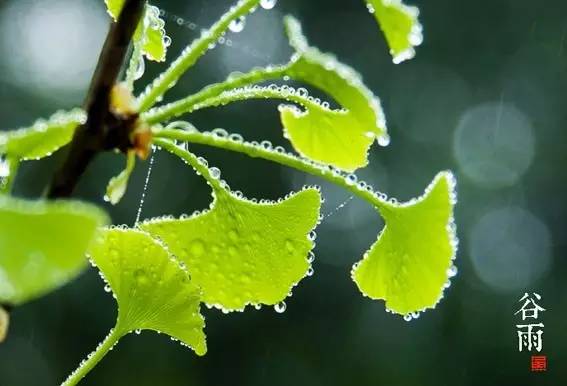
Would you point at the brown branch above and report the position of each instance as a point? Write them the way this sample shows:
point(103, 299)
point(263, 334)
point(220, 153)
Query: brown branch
point(102, 130)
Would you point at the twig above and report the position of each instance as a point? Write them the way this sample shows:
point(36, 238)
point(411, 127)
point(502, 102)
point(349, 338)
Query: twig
point(103, 130)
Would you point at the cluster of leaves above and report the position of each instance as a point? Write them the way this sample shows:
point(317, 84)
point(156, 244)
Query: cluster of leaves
point(239, 251)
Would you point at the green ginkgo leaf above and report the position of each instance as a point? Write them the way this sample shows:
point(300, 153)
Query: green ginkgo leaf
point(152, 289)
point(338, 138)
point(400, 26)
point(43, 137)
point(410, 263)
point(43, 245)
point(242, 252)
point(117, 185)
point(113, 7)
point(150, 33)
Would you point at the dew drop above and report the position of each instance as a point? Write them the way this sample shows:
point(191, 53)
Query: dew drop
point(311, 257)
point(145, 189)
point(107, 288)
point(166, 41)
point(407, 317)
point(310, 271)
point(302, 92)
point(215, 173)
point(237, 25)
point(140, 68)
point(4, 169)
point(452, 271)
point(312, 236)
point(236, 137)
point(197, 248)
point(138, 331)
point(384, 140)
point(351, 179)
point(220, 133)
point(280, 307)
point(268, 4)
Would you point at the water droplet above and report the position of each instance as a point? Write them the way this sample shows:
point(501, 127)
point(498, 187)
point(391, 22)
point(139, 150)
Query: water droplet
point(107, 288)
point(140, 68)
point(268, 4)
point(142, 199)
point(215, 173)
point(302, 92)
point(452, 271)
point(166, 41)
point(312, 235)
point(236, 137)
point(407, 317)
point(237, 25)
point(351, 179)
point(384, 140)
point(4, 167)
point(141, 276)
point(197, 248)
point(310, 271)
point(221, 133)
point(138, 331)
point(280, 307)
point(311, 257)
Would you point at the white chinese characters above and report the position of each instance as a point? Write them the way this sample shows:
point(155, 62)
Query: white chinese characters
point(530, 335)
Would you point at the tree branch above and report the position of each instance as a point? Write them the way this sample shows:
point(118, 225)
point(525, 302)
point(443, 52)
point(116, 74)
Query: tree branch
point(103, 130)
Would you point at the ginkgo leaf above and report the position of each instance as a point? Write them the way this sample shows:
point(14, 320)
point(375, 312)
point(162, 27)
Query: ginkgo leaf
point(117, 185)
point(400, 26)
point(152, 289)
point(113, 7)
point(150, 32)
point(152, 35)
point(410, 263)
point(43, 245)
point(341, 139)
point(43, 137)
point(241, 252)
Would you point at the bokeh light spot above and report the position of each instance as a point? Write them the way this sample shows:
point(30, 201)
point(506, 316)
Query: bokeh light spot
point(54, 52)
point(494, 144)
point(510, 248)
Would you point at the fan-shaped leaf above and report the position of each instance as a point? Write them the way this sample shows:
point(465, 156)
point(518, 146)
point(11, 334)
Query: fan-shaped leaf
point(400, 26)
point(152, 290)
point(42, 245)
point(339, 139)
point(117, 185)
point(241, 252)
point(43, 137)
point(150, 32)
point(409, 265)
point(113, 7)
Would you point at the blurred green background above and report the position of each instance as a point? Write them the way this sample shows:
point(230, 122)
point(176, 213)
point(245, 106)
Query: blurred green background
point(486, 96)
